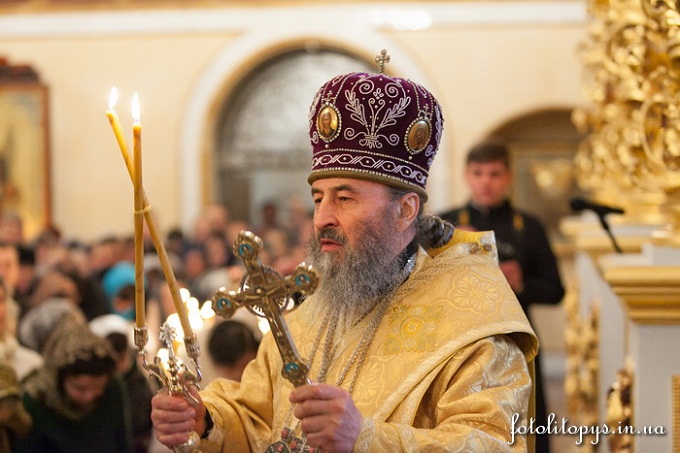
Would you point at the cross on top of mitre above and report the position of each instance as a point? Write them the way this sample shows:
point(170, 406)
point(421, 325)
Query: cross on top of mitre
point(381, 60)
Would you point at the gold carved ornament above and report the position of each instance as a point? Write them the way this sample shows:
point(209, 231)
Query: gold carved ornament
point(582, 371)
point(631, 80)
point(620, 411)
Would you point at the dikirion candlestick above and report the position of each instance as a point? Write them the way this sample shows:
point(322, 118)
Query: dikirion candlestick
point(174, 376)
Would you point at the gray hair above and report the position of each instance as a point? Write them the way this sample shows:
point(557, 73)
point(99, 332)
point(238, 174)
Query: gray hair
point(431, 231)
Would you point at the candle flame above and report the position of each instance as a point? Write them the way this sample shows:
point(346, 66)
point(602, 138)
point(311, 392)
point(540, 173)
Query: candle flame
point(192, 304)
point(113, 98)
point(163, 355)
point(206, 310)
point(173, 320)
point(135, 108)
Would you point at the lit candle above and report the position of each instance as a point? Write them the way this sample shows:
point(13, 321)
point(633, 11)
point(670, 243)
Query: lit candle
point(140, 307)
point(166, 266)
point(117, 130)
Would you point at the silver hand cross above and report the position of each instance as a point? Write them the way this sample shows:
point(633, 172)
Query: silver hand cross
point(265, 292)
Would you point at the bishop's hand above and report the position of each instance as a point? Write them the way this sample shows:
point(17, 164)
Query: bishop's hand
point(174, 417)
point(329, 418)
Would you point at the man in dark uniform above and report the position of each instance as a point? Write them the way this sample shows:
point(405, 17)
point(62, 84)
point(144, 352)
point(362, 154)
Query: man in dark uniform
point(524, 253)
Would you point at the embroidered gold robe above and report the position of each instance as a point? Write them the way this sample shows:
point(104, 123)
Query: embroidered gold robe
point(446, 370)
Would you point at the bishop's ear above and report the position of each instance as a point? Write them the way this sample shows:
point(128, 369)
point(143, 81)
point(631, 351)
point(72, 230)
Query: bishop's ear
point(409, 206)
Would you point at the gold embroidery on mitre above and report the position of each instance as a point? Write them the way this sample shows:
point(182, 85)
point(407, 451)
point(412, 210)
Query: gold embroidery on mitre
point(412, 329)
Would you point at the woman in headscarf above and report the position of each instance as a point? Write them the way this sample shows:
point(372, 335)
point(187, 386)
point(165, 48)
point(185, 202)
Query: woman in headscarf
point(75, 400)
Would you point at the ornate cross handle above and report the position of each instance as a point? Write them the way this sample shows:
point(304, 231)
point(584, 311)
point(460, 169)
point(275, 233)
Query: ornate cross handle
point(265, 292)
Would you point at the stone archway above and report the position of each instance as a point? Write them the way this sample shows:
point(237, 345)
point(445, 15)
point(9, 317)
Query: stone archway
point(261, 147)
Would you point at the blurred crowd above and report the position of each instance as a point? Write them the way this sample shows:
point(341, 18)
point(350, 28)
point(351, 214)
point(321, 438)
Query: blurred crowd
point(67, 309)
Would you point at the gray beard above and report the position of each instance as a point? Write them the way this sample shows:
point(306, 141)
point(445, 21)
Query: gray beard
point(352, 285)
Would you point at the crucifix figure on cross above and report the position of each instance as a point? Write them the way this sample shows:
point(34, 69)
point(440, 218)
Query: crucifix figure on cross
point(266, 293)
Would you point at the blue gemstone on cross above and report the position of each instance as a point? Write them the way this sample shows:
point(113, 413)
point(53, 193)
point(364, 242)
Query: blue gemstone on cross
point(302, 279)
point(245, 250)
point(224, 303)
point(292, 368)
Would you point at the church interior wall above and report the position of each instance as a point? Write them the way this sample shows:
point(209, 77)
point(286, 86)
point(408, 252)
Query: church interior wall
point(484, 64)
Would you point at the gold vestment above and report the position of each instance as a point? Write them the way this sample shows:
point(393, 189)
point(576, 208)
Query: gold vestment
point(446, 370)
